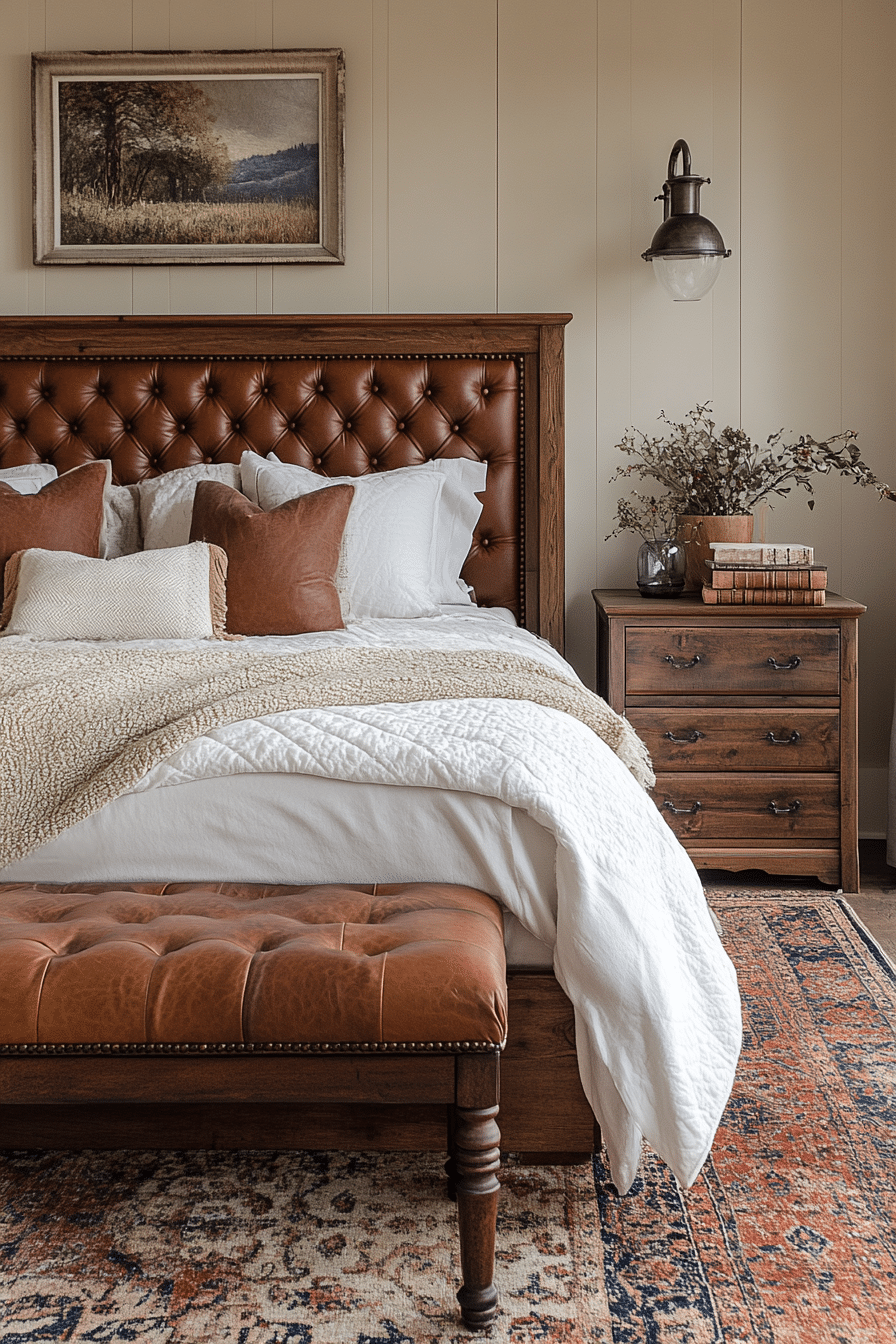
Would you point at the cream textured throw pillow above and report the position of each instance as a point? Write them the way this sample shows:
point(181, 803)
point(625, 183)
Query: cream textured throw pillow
point(166, 501)
point(177, 593)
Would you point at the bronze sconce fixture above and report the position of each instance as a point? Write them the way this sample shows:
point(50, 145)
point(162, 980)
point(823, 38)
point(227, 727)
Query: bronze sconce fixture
point(687, 250)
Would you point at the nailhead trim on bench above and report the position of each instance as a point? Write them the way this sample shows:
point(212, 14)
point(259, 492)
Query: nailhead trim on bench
point(250, 1048)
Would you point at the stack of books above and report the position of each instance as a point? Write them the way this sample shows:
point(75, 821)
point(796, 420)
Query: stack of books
point(757, 572)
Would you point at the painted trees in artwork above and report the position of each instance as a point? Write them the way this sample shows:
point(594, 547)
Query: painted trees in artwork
point(129, 140)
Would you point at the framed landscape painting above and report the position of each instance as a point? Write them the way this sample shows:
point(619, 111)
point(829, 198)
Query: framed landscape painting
point(186, 157)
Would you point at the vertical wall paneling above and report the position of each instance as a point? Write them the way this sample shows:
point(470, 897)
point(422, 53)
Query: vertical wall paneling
point(618, 268)
point(547, 91)
point(671, 342)
point(655, 354)
point(721, 203)
point(347, 24)
point(227, 24)
point(442, 60)
point(88, 25)
point(379, 158)
point(868, 211)
point(791, 239)
point(16, 292)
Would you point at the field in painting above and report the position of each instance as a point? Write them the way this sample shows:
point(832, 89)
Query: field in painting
point(167, 223)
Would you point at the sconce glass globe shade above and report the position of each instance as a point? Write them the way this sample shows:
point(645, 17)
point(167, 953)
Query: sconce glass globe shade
point(687, 278)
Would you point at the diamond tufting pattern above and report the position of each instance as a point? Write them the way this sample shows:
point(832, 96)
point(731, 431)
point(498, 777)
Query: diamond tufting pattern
point(336, 416)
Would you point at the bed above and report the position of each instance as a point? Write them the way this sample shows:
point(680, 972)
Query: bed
point(356, 398)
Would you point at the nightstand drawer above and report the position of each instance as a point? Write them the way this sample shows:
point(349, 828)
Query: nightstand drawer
point(690, 738)
point(735, 660)
point(721, 806)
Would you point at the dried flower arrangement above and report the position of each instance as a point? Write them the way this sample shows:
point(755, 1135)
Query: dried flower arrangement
point(721, 472)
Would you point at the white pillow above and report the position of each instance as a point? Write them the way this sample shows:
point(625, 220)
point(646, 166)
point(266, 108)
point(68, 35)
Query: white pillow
point(390, 544)
point(30, 478)
point(121, 524)
point(175, 593)
point(269, 481)
point(166, 501)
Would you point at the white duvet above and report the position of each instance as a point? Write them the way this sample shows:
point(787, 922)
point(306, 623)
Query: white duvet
point(657, 1010)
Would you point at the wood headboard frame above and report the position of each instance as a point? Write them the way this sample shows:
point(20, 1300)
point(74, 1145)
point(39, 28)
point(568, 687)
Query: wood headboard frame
point(534, 340)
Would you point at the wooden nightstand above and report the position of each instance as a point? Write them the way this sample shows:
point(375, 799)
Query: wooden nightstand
point(750, 715)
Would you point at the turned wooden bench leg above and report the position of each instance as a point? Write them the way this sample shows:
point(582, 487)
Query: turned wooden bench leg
point(477, 1161)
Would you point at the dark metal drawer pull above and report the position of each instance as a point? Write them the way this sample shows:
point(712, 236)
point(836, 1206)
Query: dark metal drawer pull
point(692, 662)
point(694, 735)
point(782, 741)
point(785, 811)
point(684, 811)
point(785, 667)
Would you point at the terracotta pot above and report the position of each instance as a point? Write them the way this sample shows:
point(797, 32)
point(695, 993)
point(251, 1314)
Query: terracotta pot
point(697, 531)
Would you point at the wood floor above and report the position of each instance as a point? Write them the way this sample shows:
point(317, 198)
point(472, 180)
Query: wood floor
point(875, 905)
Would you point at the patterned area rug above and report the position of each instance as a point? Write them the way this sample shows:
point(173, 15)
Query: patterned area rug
point(788, 1236)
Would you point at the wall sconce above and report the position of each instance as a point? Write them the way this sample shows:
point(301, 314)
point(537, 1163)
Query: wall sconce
point(687, 250)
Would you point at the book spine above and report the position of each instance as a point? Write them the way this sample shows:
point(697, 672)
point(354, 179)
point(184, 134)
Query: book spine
point(794, 597)
point(755, 553)
point(769, 578)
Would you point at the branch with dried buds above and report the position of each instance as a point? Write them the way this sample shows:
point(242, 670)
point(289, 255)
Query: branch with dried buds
point(712, 471)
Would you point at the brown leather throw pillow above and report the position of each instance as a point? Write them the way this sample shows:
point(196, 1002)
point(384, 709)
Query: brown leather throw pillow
point(281, 565)
point(66, 515)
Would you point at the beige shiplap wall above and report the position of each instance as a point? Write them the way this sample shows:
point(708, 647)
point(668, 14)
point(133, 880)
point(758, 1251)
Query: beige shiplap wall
point(790, 107)
point(504, 154)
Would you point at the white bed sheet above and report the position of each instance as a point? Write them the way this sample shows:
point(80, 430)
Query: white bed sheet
point(297, 829)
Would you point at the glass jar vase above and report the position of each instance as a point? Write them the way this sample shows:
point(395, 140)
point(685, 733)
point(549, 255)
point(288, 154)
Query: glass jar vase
point(661, 567)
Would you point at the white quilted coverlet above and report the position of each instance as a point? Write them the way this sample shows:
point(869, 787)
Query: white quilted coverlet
point(657, 1009)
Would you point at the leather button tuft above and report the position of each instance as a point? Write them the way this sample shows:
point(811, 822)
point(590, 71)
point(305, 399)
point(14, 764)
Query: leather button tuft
point(317, 461)
point(484, 541)
point(293, 425)
point(455, 429)
point(127, 426)
point(211, 391)
point(236, 426)
point(207, 459)
point(182, 427)
point(400, 424)
point(348, 424)
point(485, 391)
point(320, 387)
point(22, 426)
point(374, 461)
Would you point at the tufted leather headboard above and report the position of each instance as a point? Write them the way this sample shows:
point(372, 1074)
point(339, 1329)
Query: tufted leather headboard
point(342, 396)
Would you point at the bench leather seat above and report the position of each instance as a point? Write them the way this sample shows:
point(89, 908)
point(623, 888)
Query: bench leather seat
point(249, 967)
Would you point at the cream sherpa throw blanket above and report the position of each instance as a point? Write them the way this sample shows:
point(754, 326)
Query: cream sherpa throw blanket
point(79, 727)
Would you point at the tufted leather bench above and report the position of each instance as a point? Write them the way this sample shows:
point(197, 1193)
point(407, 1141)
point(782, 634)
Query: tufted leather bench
point(222, 992)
